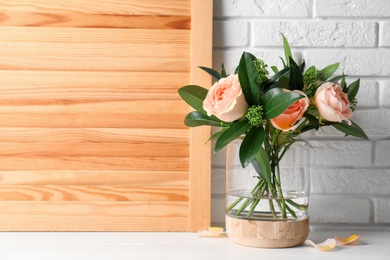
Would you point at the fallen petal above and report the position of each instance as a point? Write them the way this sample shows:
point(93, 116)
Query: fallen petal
point(327, 245)
point(210, 232)
point(347, 241)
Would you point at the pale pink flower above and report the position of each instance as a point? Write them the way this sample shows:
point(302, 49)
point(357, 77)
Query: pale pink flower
point(225, 99)
point(332, 103)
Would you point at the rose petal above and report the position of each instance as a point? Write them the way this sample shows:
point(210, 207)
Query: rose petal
point(348, 240)
point(327, 245)
point(210, 232)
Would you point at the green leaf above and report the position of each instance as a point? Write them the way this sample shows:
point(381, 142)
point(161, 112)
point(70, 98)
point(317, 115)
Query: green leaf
point(337, 78)
point(194, 96)
point(343, 84)
point(287, 50)
point(247, 74)
point(223, 71)
point(215, 135)
point(274, 69)
point(277, 75)
point(312, 120)
point(230, 134)
point(276, 101)
point(352, 129)
point(296, 78)
point(284, 64)
point(251, 145)
point(302, 66)
point(215, 74)
point(327, 72)
point(353, 89)
point(262, 166)
point(283, 82)
point(196, 118)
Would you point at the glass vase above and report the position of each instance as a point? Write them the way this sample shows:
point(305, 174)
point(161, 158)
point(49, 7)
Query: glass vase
point(259, 216)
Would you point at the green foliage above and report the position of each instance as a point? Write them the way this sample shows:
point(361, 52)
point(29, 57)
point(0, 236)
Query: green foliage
point(215, 74)
point(262, 71)
point(251, 145)
point(296, 79)
point(196, 118)
point(254, 114)
point(327, 72)
point(352, 129)
point(247, 74)
point(310, 80)
point(287, 50)
point(353, 89)
point(230, 134)
point(194, 96)
point(276, 101)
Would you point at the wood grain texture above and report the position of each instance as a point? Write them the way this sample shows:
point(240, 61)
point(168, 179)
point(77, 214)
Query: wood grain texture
point(200, 189)
point(91, 126)
point(90, 216)
point(161, 178)
point(92, 193)
point(86, 20)
point(118, 7)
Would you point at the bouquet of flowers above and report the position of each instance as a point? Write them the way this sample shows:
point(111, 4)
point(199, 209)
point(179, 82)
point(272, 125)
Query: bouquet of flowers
point(269, 113)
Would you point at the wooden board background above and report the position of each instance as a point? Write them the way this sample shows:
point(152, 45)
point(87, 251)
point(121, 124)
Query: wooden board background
point(91, 125)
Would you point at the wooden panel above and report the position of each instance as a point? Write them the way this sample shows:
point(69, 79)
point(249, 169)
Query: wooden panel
point(160, 178)
point(63, 19)
point(91, 125)
point(92, 216)
point(92, 193)
point(200, 186)
point(115, 7)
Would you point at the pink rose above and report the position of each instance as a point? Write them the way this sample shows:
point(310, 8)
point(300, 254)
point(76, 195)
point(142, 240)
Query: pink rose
point(225, 100)
point(292, 114)
point(332, 103)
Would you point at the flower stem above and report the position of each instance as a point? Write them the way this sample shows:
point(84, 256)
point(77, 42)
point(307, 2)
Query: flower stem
point(244, 205)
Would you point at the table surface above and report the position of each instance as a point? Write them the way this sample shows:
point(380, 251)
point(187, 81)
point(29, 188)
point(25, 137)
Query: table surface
point(183, 246)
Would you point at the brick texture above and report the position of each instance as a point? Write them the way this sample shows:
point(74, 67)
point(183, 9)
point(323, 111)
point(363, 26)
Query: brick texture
point(352, 8)
point(315, 33)
point(261, 8)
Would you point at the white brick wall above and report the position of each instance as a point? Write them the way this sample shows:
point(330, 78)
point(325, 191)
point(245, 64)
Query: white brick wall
point(350, 178)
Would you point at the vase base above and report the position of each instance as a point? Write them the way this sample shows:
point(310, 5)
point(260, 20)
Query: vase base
point(267, 234)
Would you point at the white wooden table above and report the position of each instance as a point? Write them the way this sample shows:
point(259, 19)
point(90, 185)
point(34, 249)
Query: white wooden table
point(183, 246)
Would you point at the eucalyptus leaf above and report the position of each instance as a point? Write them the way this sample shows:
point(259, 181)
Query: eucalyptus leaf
point(251, 144)
point(287, 50)
point(215, 74)
point(353, 89)
point(247, 74)
point(230, 134)
point(327, 72)
point(196, 118)
point(352, 129)
point(194, 96)
point(276, 104)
